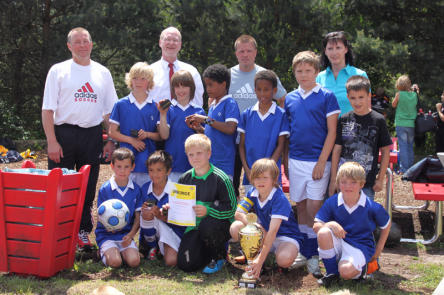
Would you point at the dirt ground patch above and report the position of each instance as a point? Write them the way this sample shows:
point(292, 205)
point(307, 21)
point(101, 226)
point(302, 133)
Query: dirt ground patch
point(395, 261)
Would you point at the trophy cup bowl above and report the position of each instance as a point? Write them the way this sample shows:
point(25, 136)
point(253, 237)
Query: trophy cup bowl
point(250, 238)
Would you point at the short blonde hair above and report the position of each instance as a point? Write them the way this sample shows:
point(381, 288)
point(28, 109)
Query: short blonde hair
point(140, 70)
point(263, 165)
point(80, 30)
point(351, 170)
point(106, 290)
point(403, 83)
point(245, 39)
point(198, 140)
point(308, 57)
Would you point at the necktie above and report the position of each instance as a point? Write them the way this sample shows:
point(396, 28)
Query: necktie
point(171, 66)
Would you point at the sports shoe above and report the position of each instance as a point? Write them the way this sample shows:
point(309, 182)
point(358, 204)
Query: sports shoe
point(313, 267)
point(83, 242)
point(152, 254)
point(299, 262)
point(214, 266)
point(328, 280)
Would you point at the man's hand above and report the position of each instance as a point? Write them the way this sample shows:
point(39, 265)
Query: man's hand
point(108, 150)
point(55, 151)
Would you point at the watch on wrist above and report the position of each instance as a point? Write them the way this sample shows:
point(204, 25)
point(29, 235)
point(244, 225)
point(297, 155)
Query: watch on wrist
point(209, 121)
point(112, 140)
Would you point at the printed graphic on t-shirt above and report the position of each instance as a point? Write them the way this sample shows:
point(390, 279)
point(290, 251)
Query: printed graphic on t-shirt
point(246, 92)
point(245, 97)
point(85, 94)
point(356, 143)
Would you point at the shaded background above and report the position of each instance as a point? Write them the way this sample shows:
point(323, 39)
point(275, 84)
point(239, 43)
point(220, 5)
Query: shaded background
point(389, 38)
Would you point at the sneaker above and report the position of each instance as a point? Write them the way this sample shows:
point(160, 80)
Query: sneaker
point(152, 254)
point(83, 242)
point(299, 262)
point(328, 280)
point(313, 267)
point(214, 266)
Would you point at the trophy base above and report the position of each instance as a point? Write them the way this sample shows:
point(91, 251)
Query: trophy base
point(249, 284)
point(247, 281)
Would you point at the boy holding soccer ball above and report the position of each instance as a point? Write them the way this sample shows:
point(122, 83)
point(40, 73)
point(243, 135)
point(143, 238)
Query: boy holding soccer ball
point(118, 245)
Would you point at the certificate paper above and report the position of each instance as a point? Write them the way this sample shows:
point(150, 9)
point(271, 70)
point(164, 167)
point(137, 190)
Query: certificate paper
point(182, 199)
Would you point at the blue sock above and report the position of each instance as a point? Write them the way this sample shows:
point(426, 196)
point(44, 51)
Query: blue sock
point(310, 247)
point(331, 265)
point(148, 236)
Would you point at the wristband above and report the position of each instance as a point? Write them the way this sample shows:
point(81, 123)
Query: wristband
point(209, 121)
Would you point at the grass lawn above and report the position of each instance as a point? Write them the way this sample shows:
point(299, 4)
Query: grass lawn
point(418, 275)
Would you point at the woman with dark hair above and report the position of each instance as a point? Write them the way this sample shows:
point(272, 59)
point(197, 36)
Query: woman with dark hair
point(337, 58)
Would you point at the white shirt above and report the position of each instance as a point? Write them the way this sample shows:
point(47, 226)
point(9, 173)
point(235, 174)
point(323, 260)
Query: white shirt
point(79, 95)
point(161, 88)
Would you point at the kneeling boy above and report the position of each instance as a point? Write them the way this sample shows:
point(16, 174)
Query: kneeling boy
point(345, 225)
point(215, 207)
point(275, 215)
point(119, 245)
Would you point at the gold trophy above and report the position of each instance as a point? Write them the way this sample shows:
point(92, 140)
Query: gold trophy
point(250, 238)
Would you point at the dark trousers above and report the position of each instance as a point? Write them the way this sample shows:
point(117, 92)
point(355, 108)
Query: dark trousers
point(237, 172)
point(207, 242)
point(81, 146)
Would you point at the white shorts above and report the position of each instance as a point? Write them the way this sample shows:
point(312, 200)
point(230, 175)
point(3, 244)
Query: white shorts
point(279, 240)
point(114, 244)
point(302, 185)
point(164, 233)
point(347, 252)
point(140, 178)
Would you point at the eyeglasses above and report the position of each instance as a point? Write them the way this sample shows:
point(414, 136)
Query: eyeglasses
point(171, 40)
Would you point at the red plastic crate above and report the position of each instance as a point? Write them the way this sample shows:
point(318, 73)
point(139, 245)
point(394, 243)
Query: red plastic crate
point(39, 220)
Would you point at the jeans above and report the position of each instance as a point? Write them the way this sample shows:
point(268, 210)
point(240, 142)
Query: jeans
point(406, 136)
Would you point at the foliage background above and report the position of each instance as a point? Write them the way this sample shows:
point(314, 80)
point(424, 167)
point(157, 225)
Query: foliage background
point(389, 38)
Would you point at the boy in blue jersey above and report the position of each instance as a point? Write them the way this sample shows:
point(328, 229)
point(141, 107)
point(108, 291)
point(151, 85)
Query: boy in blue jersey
point(312, 113)
point(360, 135)
point(119, 245)
point(262, 127)
point(154, 229)
point(204, 244)
point(222, 119)
point(345, 225)
point(275, 216)
point(134, 117)
point(172, 125)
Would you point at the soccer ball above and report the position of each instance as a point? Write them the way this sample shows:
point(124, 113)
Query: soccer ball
point(113, 214)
